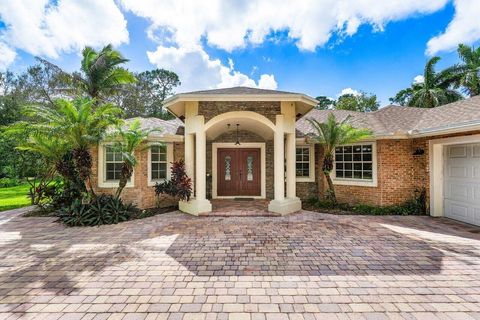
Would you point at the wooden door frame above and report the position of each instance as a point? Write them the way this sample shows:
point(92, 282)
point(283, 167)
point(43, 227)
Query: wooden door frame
point(243, 145)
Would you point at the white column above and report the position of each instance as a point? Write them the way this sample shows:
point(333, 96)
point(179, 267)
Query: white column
point(279, 158)
point(190, 157)
point(291, 176)
point(200, 177)
point(281, 204)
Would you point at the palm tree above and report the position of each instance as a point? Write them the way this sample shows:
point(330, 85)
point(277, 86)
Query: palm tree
point(435, 89)
point(101, 74)
point(469, 72)
point(331, 134)
point(79, 125)
point(129, 140)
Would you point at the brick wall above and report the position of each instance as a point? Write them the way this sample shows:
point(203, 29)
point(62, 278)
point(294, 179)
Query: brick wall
point(141, 194)
point(210, 109)
point(399, 173)
point(307, 190)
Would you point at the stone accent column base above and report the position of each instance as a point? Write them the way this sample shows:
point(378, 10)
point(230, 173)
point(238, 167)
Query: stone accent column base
point(195, 206)
point(285, 206)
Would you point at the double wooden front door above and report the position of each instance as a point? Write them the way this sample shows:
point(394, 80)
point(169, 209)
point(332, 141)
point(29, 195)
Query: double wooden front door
point(238, 172)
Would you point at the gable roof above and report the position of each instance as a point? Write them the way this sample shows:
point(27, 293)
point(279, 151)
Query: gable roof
point(396, 121)
point(167, 127)
point(238, 90)
point(176, 103)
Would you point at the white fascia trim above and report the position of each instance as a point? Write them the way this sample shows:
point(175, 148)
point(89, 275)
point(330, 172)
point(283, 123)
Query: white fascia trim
point(436, 160)
point(240, 97)
point(357, 182)
point(469, 126)
point(169, 146)
point(311, 177)
point(260, 145)
point(101, 174)
point(166, 138)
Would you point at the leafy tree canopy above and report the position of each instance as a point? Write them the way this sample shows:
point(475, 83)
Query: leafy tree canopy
point(361, 102)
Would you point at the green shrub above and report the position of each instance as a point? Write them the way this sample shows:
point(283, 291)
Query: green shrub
point(9, 182)
point(104, 209)
point(415, 206)
point(179, 186)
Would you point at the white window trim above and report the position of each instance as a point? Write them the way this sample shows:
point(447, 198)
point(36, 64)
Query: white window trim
point(311, 176)
point(102, 182)
point(359, 182)
point(169, 146)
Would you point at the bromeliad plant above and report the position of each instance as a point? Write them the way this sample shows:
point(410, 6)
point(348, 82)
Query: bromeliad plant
point(128, 141)
point(179, 186)
point(331, 134)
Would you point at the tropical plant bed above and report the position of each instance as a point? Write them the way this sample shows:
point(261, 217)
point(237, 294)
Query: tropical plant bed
point(412, 207)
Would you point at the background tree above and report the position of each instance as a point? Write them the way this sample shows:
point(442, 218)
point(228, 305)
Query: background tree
point(101, 74)
point(331, 134)
point(435, 90)
point(325, 103)
point(361, 102)
point(145, 97)
point(468, 73)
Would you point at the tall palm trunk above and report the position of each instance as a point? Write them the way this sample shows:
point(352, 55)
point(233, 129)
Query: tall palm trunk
point(126, 174)
point(327, 168)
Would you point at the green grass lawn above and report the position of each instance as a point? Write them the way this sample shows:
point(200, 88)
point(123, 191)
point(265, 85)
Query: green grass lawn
point(14, 197)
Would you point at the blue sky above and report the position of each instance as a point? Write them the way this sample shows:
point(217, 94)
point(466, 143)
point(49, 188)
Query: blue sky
point(363, 45)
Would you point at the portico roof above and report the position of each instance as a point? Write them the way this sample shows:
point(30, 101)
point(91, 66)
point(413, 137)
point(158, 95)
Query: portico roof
point(176, 103)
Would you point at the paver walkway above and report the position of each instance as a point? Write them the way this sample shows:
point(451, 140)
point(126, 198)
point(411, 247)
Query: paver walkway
point(304, 266)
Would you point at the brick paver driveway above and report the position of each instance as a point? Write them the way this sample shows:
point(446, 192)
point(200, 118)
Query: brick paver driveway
point(305, 266)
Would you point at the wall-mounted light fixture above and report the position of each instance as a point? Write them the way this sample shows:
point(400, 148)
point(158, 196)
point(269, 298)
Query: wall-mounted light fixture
point(418, 152)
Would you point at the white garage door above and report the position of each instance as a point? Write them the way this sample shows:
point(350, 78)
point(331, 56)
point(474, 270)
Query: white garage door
point(462, 183)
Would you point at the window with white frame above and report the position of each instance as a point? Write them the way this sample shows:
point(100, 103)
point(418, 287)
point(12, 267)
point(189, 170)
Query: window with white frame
point(354, 162)
point(302, 161)
point(158, 162)
point(113, 164)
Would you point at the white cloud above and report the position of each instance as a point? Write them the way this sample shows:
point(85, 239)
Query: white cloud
point(7, 56)
point(464, 28)
point(182, 28)
point(46, 29)
point(349, 91)
point(234, 24)
point(197, 70)
point(418, 79)
point(267, 81)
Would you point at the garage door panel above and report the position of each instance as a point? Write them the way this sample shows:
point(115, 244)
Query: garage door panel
point(457, 191)
point(462, 183)
point(457, 172)
point(476, 194)
point(476, 151)
point(458, 152)
point(476, 216)
point(456, 210)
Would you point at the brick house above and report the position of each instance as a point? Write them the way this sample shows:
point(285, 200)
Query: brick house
point(254, 143)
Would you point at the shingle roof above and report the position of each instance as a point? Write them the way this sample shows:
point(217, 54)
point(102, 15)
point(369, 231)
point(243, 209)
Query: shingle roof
point(238, 90)
point(392, 120)
point(168, 127)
